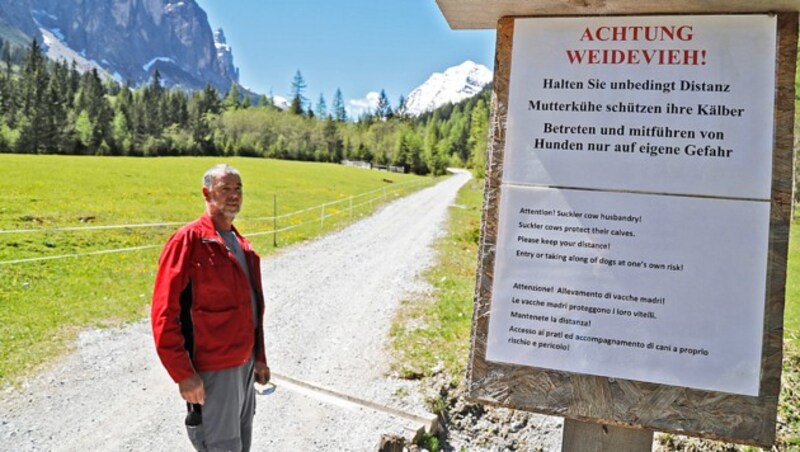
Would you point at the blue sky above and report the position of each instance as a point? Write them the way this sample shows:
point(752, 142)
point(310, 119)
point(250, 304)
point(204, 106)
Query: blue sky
point(359, 46)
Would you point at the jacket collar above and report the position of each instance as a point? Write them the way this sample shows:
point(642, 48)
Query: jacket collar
point(209, 232)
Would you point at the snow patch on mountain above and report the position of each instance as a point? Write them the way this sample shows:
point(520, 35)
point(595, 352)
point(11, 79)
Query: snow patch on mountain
point(171, 7)
point(454, 85)
point(280, 102)
point(150, 63)
point(56, 50)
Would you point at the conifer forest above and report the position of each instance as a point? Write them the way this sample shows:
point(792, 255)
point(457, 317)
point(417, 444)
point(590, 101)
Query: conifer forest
point(50, 107)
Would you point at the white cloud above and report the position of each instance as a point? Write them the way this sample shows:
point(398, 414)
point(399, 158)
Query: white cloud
point(357, 107)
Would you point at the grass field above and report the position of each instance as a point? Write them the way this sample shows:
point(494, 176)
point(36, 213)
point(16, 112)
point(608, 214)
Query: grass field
point(432, 334)
point(43, 304)
point(791, 316)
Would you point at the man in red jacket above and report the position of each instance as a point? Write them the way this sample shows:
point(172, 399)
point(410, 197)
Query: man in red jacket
point(207, 318)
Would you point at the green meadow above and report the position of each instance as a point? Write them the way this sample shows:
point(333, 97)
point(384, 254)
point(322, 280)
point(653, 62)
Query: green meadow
point(791, 318)
point(89, 208)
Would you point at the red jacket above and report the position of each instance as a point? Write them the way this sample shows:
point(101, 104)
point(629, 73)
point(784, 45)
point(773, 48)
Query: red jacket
point(202, 314)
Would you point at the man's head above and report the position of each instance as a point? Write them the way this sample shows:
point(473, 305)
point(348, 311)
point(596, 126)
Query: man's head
point(222, 190)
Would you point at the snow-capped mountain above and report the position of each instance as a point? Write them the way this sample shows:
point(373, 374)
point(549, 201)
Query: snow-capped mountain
point(455, 84)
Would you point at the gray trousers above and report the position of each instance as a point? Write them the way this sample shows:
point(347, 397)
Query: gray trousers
point(227, 415)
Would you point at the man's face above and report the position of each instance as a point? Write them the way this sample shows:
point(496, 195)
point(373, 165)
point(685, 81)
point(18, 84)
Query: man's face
point(225, 196)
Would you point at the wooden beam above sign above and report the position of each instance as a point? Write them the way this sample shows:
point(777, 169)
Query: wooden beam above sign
point(474, 14)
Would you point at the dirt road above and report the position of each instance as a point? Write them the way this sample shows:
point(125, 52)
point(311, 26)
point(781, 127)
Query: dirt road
point(329, 307)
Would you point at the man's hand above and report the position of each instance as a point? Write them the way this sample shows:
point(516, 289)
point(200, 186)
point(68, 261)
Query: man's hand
point(192, 389)
point(262, 373)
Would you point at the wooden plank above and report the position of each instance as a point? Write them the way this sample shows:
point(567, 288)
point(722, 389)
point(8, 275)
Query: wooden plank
point(472, 14)
point(588, 437)
point(623, 403)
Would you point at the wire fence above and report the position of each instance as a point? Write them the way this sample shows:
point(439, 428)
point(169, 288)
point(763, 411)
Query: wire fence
point(326, 210)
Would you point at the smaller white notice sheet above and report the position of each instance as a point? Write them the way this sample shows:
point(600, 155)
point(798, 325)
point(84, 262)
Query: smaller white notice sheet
point(631, 286)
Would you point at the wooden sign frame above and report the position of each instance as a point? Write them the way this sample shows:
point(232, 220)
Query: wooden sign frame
point(625, 403)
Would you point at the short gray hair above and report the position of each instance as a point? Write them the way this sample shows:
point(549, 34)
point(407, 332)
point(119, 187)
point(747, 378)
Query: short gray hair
point(216, 171)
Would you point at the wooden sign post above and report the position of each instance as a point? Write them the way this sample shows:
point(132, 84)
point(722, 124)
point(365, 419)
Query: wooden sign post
point(636, 216)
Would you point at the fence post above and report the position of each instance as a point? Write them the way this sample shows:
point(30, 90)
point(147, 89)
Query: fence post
point(275, 220)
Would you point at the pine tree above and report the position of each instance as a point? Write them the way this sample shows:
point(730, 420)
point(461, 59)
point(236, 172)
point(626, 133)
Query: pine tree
point(5, 97)
point(33, 87)
point(339, 112)
point(457, 134)
point(120, 133)
point(8, 63)
point(384, 109)
point(138, 122)
point(84, 129)
point(203, 106)
point(33, 74)
point(296, 107)
point(210, 102)
point(8, 101)
point(401, 106)
point(164, 112)
point(333, 140)
point(322, 108)
point(92, 99)
point(407, 152)
point(478, 136)
point(232, 100)
point(265, 102)
point(150, 122)
point(63, 99)
point(298, 99)
point(124, 102)
point(173, 109)
point(155, 84)
point(74, 77)
point(122, 123)
point(431, 136)
point(55, 118)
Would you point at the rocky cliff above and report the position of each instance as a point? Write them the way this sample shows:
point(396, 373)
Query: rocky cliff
point(129, 39)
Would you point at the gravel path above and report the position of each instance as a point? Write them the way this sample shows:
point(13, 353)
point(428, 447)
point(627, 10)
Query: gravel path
point(329, 307)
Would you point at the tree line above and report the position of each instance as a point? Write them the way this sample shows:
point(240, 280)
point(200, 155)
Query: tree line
point(52, 108)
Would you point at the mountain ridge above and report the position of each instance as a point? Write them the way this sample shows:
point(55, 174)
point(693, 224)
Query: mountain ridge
point(172, 36)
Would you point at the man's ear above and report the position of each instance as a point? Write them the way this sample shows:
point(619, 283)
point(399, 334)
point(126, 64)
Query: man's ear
point(205, 192)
